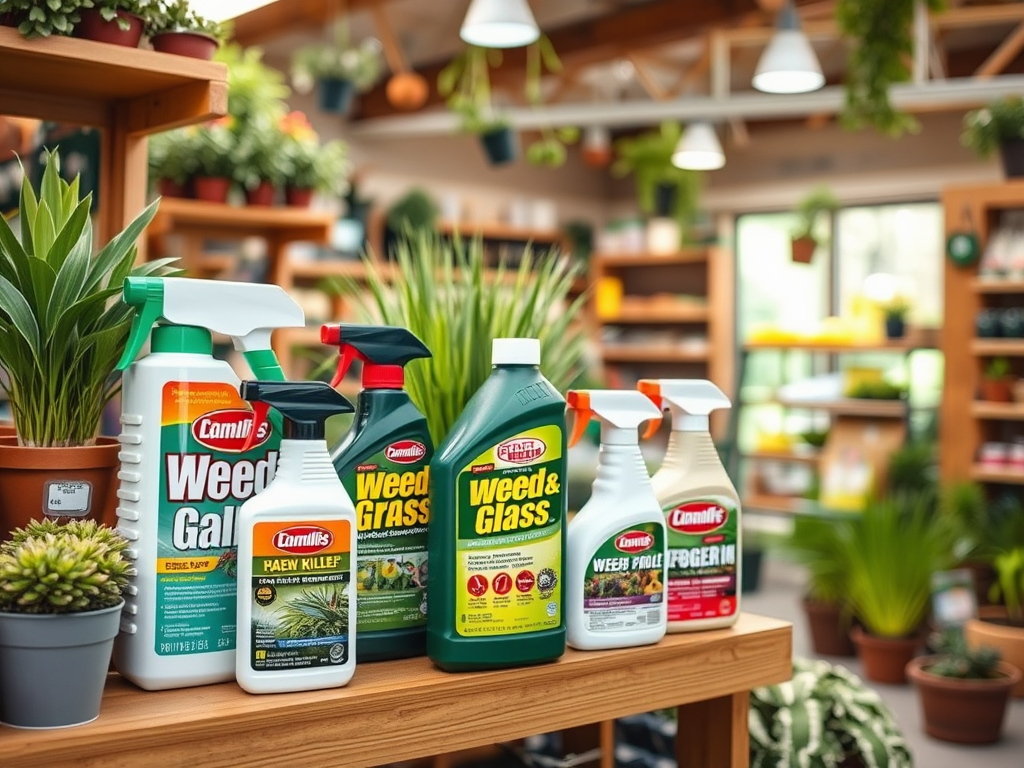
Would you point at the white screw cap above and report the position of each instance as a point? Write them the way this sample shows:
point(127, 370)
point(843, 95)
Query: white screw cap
point(515, 352)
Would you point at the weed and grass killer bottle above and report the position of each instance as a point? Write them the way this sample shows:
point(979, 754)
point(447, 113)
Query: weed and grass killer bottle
point(498, 507)
point(185, 470)
point(383, 462)
point(296, 553)
point(615, 595)
point(702, 509)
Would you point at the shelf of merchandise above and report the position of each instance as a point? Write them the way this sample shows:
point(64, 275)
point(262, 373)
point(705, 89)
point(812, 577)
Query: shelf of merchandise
point(967, 423)
point(789, 457)
point(833, 348)
point(1007, 476)
point(128, 93)
point(645, 353)
point(619, 260)
point(660, 313)
point(849, 406)
point(371, 721)
point(499, 231)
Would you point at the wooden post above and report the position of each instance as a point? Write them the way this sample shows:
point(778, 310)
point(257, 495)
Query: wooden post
point(713, 733)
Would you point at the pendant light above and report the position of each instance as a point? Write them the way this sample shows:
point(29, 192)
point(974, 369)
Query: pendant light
point(499, 24)
point(699, 149)
point(788, 64)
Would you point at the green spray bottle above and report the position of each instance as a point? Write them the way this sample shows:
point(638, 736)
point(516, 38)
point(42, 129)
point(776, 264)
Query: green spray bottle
point(383, 462)
point(498, 503)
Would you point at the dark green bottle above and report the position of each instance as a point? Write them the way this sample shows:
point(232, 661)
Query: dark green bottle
point(383, 462)
point(497, 543)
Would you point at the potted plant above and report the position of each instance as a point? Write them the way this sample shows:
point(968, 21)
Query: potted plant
point(260, 167)
point(999, 126)
point(896, 312)
point(414, 211)
point(173, 27)
point(35, 19)
point(997, 381)
point(339, 70)
point(62, 330)
point(810, 209)
point(963, 692)
point(119, 22)
point(890, 551)
point(311, 166)
point(214, 147)
point(60, 609)
point(172, 161)
point(550, 148)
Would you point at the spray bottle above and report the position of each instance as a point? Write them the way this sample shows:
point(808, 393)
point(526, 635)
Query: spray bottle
point(184, 471)
point(701, 506)
point(296, 553)
point(383, 463)
point(615, 596)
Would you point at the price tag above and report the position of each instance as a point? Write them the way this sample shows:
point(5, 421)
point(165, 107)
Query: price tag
point(68, 498)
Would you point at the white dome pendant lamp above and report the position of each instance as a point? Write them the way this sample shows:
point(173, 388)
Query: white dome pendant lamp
point(499, 24)
point(788, 64)
point(699, 149)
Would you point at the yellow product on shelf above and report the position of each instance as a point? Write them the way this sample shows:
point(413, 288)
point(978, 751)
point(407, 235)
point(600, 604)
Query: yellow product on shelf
point(867, 319)
point(609, 298)
point(855, 378)
point(835, 330)
point(774, 442)
point(772, 334)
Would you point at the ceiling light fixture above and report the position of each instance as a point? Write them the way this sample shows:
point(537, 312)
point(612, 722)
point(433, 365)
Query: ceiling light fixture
point(699, 149)
point(788, 64)
point(499, 24)
point(222, 10)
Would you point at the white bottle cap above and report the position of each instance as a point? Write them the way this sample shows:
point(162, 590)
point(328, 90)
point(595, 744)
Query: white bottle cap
point(515, 352)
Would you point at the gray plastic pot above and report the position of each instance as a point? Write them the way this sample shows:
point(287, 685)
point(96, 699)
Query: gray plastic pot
point(53, 666)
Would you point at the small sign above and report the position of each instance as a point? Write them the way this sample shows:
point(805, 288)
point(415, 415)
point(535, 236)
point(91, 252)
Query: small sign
point(953, 598)
point(68, 498)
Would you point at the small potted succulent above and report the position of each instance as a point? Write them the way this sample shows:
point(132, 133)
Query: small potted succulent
point(311, 166)
point(173, 27)
point(999, 126)
point(339, 70)
point(172, 161)
point(963, 692)
point(896, 312)
point(260, 167)
point(214, 144)
point(997, 381)
point(119, 22)
point(803, 239)
point(60, 609)
point(35, 19)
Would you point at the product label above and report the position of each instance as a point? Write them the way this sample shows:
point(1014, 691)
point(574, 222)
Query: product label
point(300, 594)
point(391, 494)
point(203, 480)
point(510, 507)
point(622, 588)
point(68, 498)
point(702, 557)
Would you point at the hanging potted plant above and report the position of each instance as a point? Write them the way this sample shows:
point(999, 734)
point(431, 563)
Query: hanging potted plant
point(173, 27)
point(550, 149)
point(118, 22)
point(214, 145)
point(810, 210)
point(310, 166)
point(999, 126)
point(62, 330)
point(260, 167)
point(172, 161)
point(896, 312)
point(997, 381)
point(339, 70)
point(35, 19)
point(60, 609)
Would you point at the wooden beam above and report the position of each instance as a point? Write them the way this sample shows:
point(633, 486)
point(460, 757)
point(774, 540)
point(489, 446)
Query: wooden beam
point(284, 16)
point(649, 83)
point(1002, 55)
point(978, 16)
point(696, 72)
point(177, 107)
point(392, 48)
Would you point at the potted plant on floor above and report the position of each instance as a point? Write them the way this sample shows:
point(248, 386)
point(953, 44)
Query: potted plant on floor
point(311, 166)
point(804, 240)
point(997, 381)
point(891, 550)
point(35, 19)
point(118, 22)
point(172, 161)
point(62, 330)
point(173, 27)
point(214, 146)
point(896, 312)
point(338, 69)
point(60, 609)
point(963, 692)
point(999, 126)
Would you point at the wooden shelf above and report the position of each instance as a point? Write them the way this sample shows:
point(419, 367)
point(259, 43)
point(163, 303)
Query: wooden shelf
point(831, 348)
point(499, 231)
point(390, 711)
point(883, 409)
point(293, 224)
point(995, 347)
point(981, 285)
point(985, 475)
point(645, 353)
point(624, 260)
point(659, 314)
point(998, 411)
point(810, 457)
point(785, 505)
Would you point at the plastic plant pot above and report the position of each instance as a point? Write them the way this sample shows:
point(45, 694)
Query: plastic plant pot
point(195, 45)
point(94, 27)
point(499, 145)
point(336, 95)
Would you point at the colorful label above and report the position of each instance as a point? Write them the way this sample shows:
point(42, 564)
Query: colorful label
point(702, 558)
point(509, 504)
point(300, 598)
point(204, 478)
point(622, 588)
point(391, 494)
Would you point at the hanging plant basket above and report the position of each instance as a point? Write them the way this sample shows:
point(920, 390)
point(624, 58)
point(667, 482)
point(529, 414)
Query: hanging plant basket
point(194, 45)
point(336, 95)
point(500, 145)
point(803, 249)
point(94, 27)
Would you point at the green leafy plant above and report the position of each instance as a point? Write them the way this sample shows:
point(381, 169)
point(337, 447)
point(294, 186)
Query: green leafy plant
point(63, 326)
point(1009, 586)
point(257, 92)
point(72, 568)
point(897, 308)
point(998, 368)
point(550, 148)
point(42, 19)
point(877, 390)
point(959, 661)
point(815, 438)
point(257, 156)
point(213, 146)
point(466, 85)
point(442, 291)
point(816, 544)
point(178, 16)
point(817, 203)
point(415, 210)
point(320, 611)
point(315, 166)
point(987, 128)
point(114, 9)
point(824, 716)
point(912, 469)
point(361, 64)
point(172, 155)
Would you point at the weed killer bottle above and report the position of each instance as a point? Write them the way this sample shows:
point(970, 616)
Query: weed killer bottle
point(296, 554)
point(498, 507)
point(615, 595)
point(702, 509)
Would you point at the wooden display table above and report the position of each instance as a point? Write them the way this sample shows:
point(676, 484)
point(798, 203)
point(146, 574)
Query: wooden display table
point(408, 709)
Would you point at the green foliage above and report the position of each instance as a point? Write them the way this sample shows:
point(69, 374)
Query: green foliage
point(442, 291)
point(881, 45)
point(310, 165)
point(877, 390)
point(257, 93)
point(999, 368)
point(1009, 586)
point(112, 9)
point(257, 157)
point(414, 211)
point(985, 129)
point(466, 85)
point(213, 148)
point(810, 209)
point(320, 611)
point(823, 717)
point(361, 64)
point(172, 155)
point(42, 19)
point(959, 661)
point(897, 308)
point(73, 568)
point(816, 543)
point(63, 326)
point(912, 469)
point(178, 16)
point(550, 148)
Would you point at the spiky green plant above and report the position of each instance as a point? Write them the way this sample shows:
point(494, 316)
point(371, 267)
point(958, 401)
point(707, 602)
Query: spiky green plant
point(1009, 586)
point(959, 661)
point(443, 292)
point(72, 568)
point(63, 326)
point(816, 544)
point(321, 611)
point(824, 717)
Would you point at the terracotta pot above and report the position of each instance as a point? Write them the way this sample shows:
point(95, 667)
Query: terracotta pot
point(997, 390)
point(962, 711)
point(262, 195)
point(7, 429)
point(1009, 641)
point(34, 481)
point(94, 27)
point(211, 189)
point(195, 45)
point(803, 249)
point(298, 197)
point(171, 188)
point(830, 635)
point(884, 659)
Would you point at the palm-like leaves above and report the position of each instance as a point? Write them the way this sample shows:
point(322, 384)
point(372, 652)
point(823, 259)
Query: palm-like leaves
point(318, 612)
point(62, 325)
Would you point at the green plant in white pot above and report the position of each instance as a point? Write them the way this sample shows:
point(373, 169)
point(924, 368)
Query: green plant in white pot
point(60, 609)
point(63, 328)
